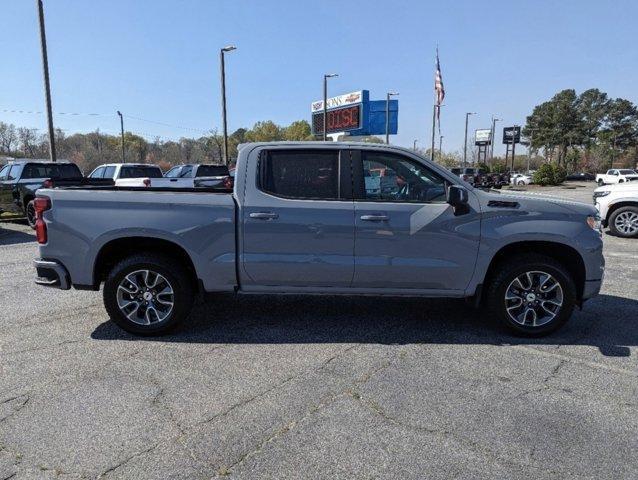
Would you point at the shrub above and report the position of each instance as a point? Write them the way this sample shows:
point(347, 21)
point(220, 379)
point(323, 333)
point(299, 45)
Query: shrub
point(549, 174)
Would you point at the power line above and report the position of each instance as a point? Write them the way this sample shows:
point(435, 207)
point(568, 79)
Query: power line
point(38, 112)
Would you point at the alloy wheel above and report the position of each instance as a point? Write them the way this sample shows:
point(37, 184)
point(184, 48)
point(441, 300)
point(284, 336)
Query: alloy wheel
point(145, 297)
point(533, 298)
point(627, 223)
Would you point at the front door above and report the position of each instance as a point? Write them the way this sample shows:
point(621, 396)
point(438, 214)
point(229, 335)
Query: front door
point(298, 224)
point(8, 179)
point(406, 235)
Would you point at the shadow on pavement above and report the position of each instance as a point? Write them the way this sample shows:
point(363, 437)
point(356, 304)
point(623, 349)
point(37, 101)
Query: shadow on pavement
point(607, 322)
point(13, 237)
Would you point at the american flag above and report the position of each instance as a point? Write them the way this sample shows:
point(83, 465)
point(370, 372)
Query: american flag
point(438, 82)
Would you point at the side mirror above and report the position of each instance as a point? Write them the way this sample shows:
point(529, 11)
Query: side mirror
point(457, 196)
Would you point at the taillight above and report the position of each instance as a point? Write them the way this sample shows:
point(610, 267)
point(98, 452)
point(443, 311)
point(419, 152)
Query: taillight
point(147, 182)
point(229, 182)
point(48, 183)
point(41, 204)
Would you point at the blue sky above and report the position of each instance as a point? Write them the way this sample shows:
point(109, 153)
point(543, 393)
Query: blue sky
point(158, 60)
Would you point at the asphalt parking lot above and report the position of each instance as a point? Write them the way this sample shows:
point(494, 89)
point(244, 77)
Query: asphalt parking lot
point(297, 387)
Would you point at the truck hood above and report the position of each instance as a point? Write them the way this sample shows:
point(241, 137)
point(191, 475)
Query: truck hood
point(534, 202)
point(619, 187)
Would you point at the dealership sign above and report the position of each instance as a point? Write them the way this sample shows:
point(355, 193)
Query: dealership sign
point(511, 135)
point(355, 114)
point(482, 137)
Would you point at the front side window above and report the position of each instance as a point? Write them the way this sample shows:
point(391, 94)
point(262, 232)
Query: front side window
point(394, 178)
point(173, 172)
point(109, 172)
point(97, 173)
point(4, 172)
point(301, 174)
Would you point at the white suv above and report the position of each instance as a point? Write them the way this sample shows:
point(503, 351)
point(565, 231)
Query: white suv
point(618, 208)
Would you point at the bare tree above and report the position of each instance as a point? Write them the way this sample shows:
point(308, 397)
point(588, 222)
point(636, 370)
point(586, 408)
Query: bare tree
point(27, 138)
point(7, 136)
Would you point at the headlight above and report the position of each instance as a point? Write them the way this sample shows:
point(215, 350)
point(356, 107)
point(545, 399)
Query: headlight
point(603, 193)
point(594, 222)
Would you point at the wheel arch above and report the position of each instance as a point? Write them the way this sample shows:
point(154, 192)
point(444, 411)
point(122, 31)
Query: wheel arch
point(117, 249)
point(562, 253)
point(615, 206)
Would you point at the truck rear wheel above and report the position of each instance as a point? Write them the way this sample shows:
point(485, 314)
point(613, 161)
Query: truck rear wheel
point(624, 222)
point(531, 295)
point(148, 294)
point(29, 212)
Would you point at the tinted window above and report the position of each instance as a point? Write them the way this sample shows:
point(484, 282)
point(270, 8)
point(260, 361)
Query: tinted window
point(60, 171)
point(402, 180)
point(109, 172)
point(138, 172)
point(97, 173)
point(212, 171)
point(173, 172)
point(311, 174)
point(627, 172)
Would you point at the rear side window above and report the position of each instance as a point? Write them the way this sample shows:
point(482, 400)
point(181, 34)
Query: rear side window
point(302, 174)
point(139, 172)
point(212, 171)
point(59, 171)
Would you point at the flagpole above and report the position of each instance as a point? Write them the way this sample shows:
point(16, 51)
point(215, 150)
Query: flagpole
point(433, 130)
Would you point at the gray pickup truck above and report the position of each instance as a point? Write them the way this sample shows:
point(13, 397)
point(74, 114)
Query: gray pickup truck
point(305, 218)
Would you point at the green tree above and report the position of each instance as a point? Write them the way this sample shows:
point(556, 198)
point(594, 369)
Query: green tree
point(299, 130)
point(266, 131)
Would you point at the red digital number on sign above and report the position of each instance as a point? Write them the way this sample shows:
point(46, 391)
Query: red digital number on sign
point(338, 120)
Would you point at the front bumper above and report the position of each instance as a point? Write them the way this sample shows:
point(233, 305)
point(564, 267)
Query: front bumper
point(51, 274)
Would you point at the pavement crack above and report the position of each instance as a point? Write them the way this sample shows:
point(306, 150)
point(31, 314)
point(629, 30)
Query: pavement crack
point(126, 460)
point(555, 370)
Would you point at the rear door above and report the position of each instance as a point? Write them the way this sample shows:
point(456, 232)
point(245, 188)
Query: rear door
point(297, 219)
point(406, 235)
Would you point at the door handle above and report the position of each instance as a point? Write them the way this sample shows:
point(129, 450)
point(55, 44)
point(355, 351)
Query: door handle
point(374, 218)
point(264, 215)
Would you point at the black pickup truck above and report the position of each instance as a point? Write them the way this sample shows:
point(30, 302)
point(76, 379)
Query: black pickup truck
point(20, 179)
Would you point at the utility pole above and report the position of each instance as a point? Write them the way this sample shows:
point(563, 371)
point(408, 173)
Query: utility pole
point(433, 130)
point(513, 146)
point(122, 130)
point(493, 138)
point(387, 116)
point(467, 116)
point(47, 87)
point(414, 145)
point(441, 145)
point(228, 48)
point(325, 103)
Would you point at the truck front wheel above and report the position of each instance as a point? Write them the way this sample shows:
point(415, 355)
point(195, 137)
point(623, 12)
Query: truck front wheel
point(624, 222)
point(148, 294)
point(531, 294)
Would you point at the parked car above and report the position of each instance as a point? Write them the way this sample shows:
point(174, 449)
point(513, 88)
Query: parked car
point(618, 208)
point(196, 175)
point(302, 220)
point(19, 181)
point(128, 174)
point(581, 177)
point(616, 176)
point(521, 179)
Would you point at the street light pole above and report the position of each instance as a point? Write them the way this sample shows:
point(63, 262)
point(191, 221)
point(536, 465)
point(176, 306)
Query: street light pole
point(467, 116)
point(492, 139)
point(440, 145)
point(325, 103)
point(122, 130)
point(228, 48)
point(387, 116)
point(47, 87)
point(414, 145)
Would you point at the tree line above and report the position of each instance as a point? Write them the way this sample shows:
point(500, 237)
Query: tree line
point(88, 150)
point(588, 131)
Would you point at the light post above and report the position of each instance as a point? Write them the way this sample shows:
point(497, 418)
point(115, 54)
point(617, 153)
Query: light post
point(440, 146)
point(387, 116)
point(228, 48)
point(467, 116)
point(492, 140)
point(122, 130)
point(47, 87)
point(414, 145)
point(325, 103)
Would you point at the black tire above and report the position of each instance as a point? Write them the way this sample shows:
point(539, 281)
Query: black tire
point(29, 212)
point(505, 275)
point(175, 276)
point(600, 182)
point(617, 216)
